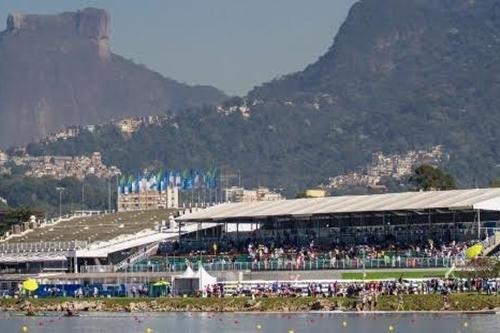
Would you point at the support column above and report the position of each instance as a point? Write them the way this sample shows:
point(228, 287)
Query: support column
point(478, 224)
point(75, 264)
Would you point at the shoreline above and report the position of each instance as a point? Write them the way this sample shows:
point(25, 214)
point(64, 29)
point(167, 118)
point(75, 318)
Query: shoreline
point(315, 313)
point(432, 304)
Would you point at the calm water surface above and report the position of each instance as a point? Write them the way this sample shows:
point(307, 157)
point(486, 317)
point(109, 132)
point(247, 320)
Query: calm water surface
point(266, 323)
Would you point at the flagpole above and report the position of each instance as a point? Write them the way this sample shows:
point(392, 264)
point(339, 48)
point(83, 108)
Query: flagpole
point(198, 201)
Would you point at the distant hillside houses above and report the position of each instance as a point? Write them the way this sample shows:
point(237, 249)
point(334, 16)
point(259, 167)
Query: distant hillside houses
point(3, 159)
point(66, 133)
point(394, 166)
point(127, 127)
point(59, 167)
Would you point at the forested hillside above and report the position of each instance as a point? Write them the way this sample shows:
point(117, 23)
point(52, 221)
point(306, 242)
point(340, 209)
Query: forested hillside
point(400, 75)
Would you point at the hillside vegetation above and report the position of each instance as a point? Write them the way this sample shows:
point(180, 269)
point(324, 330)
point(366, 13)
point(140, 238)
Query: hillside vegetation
point(400, 75)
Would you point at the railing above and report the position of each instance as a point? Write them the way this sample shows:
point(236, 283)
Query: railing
point(97, 269)
point(491, 243)
point(140, 255)
point(121, 239)
point(42, 247)
point(289, 265)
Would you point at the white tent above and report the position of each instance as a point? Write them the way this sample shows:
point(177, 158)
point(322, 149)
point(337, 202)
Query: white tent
point(205, 279)
point(190, 282)
point(188, 273)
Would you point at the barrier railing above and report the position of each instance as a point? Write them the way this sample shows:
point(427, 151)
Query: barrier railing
point(42, 247)
point(290, 265)
point(97, 269)
point(136, 257)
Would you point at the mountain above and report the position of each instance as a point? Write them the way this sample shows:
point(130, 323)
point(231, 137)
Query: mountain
point(58, 71)
point(400, 75)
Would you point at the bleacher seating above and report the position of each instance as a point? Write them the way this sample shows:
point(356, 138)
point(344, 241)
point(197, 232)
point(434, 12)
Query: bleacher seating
point(93, 229)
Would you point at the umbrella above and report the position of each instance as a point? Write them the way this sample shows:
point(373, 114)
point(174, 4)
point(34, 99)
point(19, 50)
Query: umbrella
point(30, 285)
point(474, 251)
point(161, 283)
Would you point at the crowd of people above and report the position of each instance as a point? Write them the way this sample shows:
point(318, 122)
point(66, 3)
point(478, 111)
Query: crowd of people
point(366, 293)
point(263, 255)
point(263, 252)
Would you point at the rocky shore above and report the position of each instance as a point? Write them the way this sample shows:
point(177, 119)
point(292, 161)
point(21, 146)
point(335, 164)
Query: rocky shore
point(459, 302)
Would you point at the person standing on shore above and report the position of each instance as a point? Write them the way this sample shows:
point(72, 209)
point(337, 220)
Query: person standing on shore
point(446, 300)
point(400, 301)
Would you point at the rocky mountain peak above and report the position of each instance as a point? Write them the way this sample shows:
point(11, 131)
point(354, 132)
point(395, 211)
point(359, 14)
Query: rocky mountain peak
point(58, 71)
point(91, 23)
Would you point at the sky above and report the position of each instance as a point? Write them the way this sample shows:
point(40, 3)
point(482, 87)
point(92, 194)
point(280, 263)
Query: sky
point(233, 45)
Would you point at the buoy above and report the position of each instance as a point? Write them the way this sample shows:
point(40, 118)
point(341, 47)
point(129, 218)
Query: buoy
point(391, 328)
point(466, 324)
point(344, 323)
point(24, 328)
point(290, 331)
point(149, 330)
point(258, 327)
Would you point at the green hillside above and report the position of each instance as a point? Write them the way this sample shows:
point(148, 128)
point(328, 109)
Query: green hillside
point(400, 75)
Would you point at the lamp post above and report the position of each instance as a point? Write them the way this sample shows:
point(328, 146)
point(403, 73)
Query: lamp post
point(364, 259)
point(83, 195)
point(60, 190)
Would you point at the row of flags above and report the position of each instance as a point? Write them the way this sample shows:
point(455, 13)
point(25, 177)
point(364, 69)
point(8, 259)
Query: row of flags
point(185, 180)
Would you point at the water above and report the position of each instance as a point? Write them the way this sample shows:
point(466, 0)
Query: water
point(265, 323)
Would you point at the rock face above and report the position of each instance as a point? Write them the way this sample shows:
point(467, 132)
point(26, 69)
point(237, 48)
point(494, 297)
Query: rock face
point(90, 23)
point(58, 71)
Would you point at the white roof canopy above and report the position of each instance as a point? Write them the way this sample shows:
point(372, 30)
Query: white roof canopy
point(188, 273)
point(484, 199)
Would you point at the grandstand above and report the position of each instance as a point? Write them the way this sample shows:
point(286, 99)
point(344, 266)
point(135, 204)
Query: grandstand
point(102, 240)
point(399, 230)
point(384, 219)
point(322, 233)
point(459, 213)
point(100, 228)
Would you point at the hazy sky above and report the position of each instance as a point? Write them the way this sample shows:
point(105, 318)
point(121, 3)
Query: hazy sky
point(231, 44)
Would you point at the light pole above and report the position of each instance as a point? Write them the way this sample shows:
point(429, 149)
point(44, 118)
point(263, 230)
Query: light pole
point(364, 259)
point(109, 196)
point(60, 190)
point(83, 195)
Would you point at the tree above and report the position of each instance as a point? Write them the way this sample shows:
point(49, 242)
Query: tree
point(12, 216)
point(430, 178)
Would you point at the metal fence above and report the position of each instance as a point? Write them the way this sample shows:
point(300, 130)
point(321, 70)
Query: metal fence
point(42, 247)
point(290, 265)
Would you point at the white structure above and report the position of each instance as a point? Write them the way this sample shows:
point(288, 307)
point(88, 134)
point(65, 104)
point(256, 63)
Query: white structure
point(190, 282)
point(459, 215)
point(137, 231)
point(476, 199)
